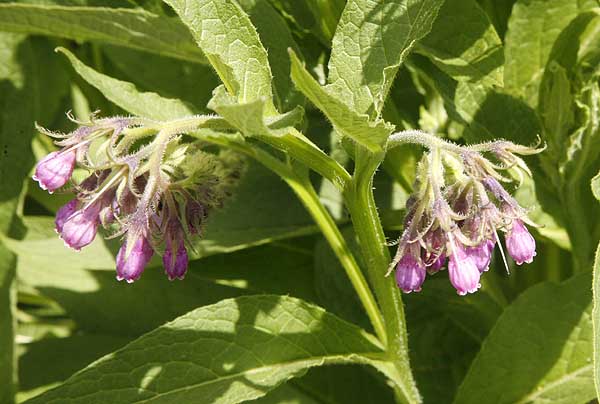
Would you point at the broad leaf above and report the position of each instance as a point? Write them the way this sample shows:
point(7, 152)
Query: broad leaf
point(8, 369)
point(125, 95)
point(533, 28)
point(232, 351)
point(596, 320)
point(539, 350)
point(370, 43)
point(464, 44)
point(231, 44)
point(189, 82)
point(277, 39)
point(137, 29)
point(358, 127)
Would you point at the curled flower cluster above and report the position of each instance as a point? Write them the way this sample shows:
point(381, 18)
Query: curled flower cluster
point(456, 211)
point(144, 184)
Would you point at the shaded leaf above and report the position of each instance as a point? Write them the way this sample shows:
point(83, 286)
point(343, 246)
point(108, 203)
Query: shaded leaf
point(533, 28)
point(232, 351)
point(539, 351)
point(132, 28)
point(464, 44)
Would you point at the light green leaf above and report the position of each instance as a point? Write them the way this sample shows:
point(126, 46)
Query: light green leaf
point(229, 352)
point(125, 95)
point(464, 44)
point(482, 110)
point(8, 302)
point(137, 29)
point(539, 351)
point(231, 44)
point(596, 319)
point(533, 28)
point(358, 127)
point(276, 37)
point(189, 82)
point(596, 186)
point(370, 43)
point(28, 92)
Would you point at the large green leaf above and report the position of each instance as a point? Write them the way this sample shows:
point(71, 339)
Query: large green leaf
point(539, 351)
point(189, 82)
point(596, 321)
point(533, 28)
point(125, 95)
point(137, 29)
point(232, 351)
point(231, 44)
point(371, 134)
point(8, 369)
point(370, 43)
point(464, 44)
point(276, 37)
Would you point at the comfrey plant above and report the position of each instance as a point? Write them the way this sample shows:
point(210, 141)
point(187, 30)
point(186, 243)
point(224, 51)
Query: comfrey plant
point(337, 107)
point(144, 184)
point(457, 209)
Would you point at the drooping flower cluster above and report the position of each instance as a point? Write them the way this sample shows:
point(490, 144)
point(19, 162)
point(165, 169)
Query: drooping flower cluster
point(458, 207)
point(144, 184)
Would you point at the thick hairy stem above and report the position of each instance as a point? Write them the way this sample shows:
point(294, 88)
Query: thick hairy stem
point(365, 219)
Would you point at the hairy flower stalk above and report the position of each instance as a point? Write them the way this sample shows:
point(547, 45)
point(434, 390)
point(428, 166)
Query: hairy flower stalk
point(144, 184)
point(457, 210)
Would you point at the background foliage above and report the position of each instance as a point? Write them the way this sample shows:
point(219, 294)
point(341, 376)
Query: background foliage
point(266, 302)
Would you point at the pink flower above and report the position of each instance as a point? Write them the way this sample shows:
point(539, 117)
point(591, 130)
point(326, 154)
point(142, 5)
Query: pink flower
point(520, 243)
point(80, 228)
point(462, 270)
point(130, 267)
point(63, 214)
point(482, 254)
point(410, 274)
point(54, 170)
point(175, 266)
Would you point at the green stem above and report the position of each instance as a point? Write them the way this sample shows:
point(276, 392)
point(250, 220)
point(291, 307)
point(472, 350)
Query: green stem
point(301, 185)
point(360, 202)
point(306, 193)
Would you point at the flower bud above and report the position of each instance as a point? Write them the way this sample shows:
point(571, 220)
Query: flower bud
point(130, 267)
point(482, 254)
point(462, 270)
point(54, 170)
point(410, 274)
point(437, 264)
point(63, 214)
point(520, 243)
point(80, 228)
point(175, 267)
